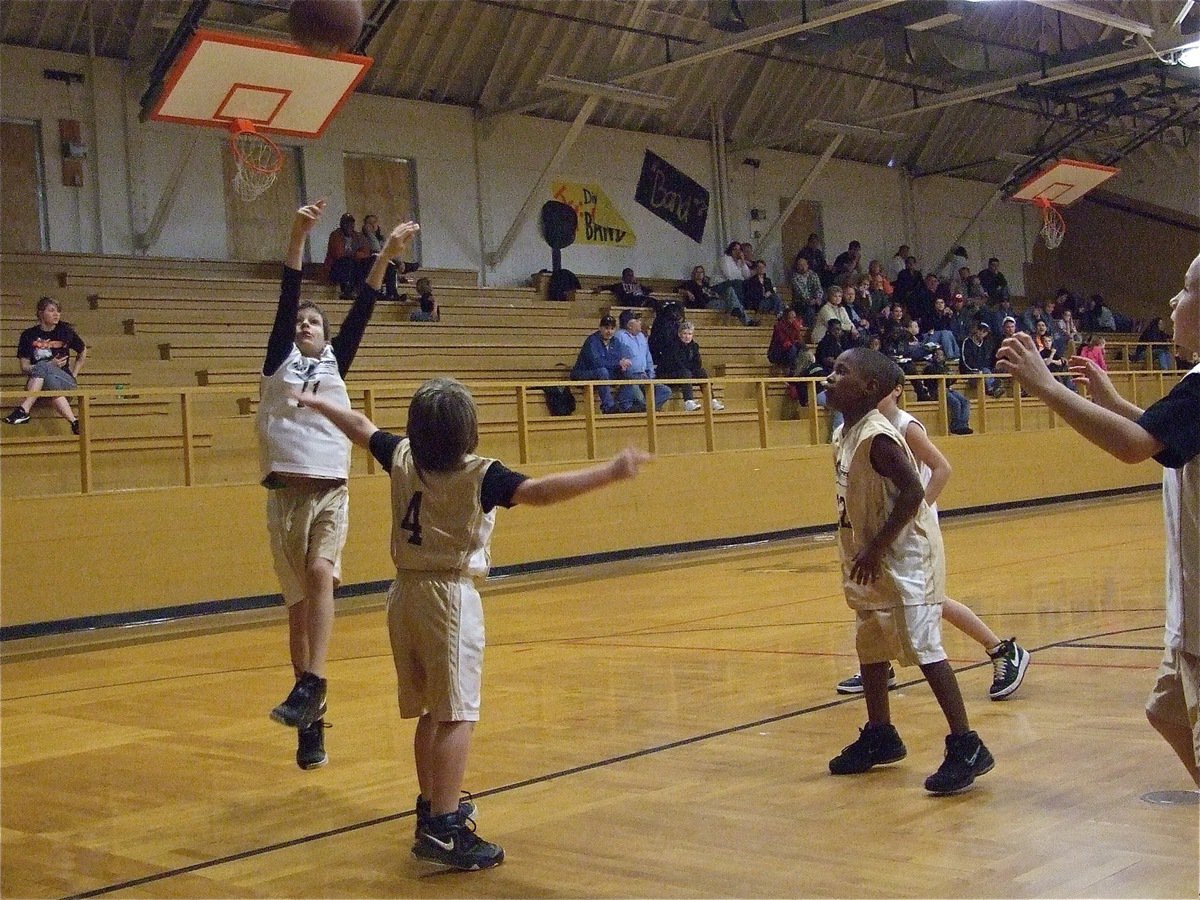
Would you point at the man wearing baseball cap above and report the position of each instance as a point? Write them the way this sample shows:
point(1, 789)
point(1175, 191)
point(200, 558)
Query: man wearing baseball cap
point(635, 349)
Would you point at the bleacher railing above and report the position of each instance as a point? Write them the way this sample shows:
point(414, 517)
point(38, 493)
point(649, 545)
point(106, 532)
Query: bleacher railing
point(203, 441)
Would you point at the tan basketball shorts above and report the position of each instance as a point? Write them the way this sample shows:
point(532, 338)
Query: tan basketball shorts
point(435, 622)
point(306, 522)
point(910, 635)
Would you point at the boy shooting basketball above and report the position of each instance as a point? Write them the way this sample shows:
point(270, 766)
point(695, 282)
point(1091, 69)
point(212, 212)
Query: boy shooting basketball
point(305, 462)
point(893, 572)
point(444, 501)
point(1169, 433)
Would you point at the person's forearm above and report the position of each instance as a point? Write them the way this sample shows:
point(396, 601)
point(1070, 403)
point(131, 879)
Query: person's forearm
point(350, 422)
point(566, 485)
point(378, 271)
point(79, 360)
point(907, 503)
point(294, 258)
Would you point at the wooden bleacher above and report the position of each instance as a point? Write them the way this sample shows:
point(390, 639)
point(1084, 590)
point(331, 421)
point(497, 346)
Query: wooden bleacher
point(592, 283)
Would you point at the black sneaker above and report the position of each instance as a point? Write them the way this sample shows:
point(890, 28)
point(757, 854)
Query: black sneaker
point(966, 759)
point(17, 417)
point(466, 809)
point(75, 427)
point(310, 754)
point(1009, 661)
point(304, 705)
point(877, 745)
point(854, 684)
point(450, 840)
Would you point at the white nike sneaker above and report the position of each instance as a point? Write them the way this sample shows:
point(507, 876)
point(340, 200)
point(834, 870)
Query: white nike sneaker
point(691, 405)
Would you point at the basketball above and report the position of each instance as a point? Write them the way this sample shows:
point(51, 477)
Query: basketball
point(326, 27)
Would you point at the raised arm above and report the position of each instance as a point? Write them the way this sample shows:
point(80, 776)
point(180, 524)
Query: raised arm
point(283, 331)
point(352, 423)
point(1111, 431)
point(565, 485)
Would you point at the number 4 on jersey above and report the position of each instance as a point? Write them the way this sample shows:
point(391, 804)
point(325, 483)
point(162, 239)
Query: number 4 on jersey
point(412, 519)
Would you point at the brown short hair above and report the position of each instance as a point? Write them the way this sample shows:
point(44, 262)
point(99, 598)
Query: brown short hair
point(308, 304)
point(47, 301)
point(442, 425)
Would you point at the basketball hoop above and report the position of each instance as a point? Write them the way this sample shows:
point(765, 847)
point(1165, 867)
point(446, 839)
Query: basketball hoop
point(258, 160)
point(1054, 226)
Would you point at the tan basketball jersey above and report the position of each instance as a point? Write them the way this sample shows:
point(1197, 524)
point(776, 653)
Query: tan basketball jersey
point(438, 523)
point(914, 567)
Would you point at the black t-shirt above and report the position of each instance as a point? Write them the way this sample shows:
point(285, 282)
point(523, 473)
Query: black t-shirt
point(499, 481)
point(1175, 421)
point(37, 345)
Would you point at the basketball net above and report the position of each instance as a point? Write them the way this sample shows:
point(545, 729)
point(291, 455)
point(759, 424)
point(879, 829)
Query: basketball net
point(1054, 226)
point(257, 157)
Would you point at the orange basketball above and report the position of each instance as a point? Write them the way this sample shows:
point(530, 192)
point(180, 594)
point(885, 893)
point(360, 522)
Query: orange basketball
point(326, 27)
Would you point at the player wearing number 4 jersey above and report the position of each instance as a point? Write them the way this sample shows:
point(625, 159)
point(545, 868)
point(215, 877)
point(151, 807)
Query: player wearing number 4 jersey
point(444, 502)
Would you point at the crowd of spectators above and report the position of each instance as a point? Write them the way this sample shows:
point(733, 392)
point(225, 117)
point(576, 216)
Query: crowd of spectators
point(350, 253)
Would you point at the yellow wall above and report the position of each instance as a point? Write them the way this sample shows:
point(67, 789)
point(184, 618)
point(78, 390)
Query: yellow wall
point(117, 552)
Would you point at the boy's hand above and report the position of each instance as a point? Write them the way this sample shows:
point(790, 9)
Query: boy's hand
point(307, 217)
point(1100, 386)
point(867, 565)
point(626, 463)
point(399, 239)
point(1019, 357)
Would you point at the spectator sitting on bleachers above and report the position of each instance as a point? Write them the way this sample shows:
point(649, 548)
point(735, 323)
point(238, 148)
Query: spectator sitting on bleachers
point(1066, 333)
point(375, 239)
point(696, 292)
point(907, 282)
point(899, 262)
point(1093, 349)
point(429, 311)
point(998, 312)
point(347, 258)
point(993, 282)
point(890, 317)
point(957, 405)
point(759, 292)
point(44, 351)
point(833, 309)
point(681, 359)
point(958, 260)
point(807, 293)
point(979, 357)
point(1043, 340)
point(635, 348)
point(787, 347)
point(939, 329)
point(664, 333)
point(815, 254)
point(831, 345)
point(1036, 313)
point(920, 301)
point(628, 290)
point(879, 293)
point(1154, 334)
point(732, 288)
point(1097, 316)
point(907, 347)
point(600, 360)
point(961, 282)
point(848, 263)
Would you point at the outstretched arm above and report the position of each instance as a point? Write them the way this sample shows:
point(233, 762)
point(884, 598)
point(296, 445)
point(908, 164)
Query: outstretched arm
point(565, 485)
point(352, 423)
point(1111, 431)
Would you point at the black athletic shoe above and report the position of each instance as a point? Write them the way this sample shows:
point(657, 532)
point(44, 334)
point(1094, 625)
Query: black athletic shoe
point(450, 840)
point(75, 427)
point(466, 809)
point(310, 754)
point(17, 417)
point(1009, 662)
point(877, 745)
point(966, 759)
point(304, 705)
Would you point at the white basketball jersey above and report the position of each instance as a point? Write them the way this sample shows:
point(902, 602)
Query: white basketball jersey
point(296, 440)
point(438, 522)
point(1181, 509)
point(914, 566)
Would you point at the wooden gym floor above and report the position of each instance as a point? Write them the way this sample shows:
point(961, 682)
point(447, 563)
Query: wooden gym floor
point(654, 728)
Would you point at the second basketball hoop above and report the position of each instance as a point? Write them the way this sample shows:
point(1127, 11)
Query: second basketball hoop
point(1058, 186)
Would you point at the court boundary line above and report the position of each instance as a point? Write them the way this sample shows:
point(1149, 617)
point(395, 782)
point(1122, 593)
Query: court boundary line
point(552, 776)
point(168, 614)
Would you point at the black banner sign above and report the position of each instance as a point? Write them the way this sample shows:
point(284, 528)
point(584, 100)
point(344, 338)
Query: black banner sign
point(672, 196)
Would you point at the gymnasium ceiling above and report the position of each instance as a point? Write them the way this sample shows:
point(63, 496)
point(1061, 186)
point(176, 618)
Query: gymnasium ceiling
point(984, 90)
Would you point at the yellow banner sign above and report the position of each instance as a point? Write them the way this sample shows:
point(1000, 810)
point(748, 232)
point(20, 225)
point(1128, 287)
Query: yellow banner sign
point(599, 221)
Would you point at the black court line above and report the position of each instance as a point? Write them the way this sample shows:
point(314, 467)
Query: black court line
point(554, 776)
point(1077, 646)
